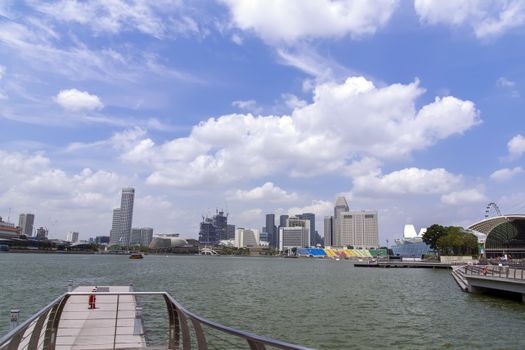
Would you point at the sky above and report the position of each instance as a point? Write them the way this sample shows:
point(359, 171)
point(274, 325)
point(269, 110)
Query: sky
point(411, 108)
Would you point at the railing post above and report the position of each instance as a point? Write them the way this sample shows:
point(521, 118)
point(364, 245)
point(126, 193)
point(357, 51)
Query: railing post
point(15, 313)
point(116, 323)
point(70, 286)
point(137, 326)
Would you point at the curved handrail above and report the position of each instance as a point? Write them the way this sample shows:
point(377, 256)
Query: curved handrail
point(24, 325)
point(254, 341)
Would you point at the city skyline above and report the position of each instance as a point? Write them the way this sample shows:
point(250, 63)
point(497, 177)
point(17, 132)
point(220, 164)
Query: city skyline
point(396, 105)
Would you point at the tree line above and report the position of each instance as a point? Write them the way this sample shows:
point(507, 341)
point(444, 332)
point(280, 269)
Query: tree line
point(451, 240)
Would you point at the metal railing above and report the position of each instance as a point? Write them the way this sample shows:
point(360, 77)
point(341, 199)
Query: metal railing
point(496, 271)
point(184, 327)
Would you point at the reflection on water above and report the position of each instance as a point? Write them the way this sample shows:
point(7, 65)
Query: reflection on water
point(317, 303)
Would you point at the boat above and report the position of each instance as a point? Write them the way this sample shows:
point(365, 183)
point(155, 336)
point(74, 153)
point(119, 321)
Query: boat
point(64, 324)
point(136, 256)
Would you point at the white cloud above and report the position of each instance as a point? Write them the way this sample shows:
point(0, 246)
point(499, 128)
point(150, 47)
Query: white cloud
point(506, 173)
point(407, 181)
point(2, 72)
point(468, 196)
point(149, 17)
point(291, 20)
point(364, 166)
point(345, 122)
point(236, 38)
point(504, 82)
point(320, 208)
point(75, 100)
point(311, 62)
point(516, 147)
point(266, 192)
point(508, 85)
point(486, 18)
point(247, 105)
point(30, 182)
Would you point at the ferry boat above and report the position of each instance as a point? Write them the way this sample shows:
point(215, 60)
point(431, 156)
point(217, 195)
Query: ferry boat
point(136, 256)
point(111, 317)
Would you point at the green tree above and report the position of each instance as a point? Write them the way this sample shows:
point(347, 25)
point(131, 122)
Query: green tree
point(432, 235)
point(457, 241)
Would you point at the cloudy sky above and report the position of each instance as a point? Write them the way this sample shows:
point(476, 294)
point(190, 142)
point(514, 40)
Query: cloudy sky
point(412, 108)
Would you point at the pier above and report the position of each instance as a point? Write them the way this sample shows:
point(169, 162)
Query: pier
point(68, 323)
point(404, 264)
point(114, 323)
point(490, 278)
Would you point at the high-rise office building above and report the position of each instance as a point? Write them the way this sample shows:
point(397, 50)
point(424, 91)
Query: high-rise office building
point(25, 222)
point(72, 237)
point(41, 233)
point(341, 206)
point(311, 218)
point(230, 229)
point(296, 221)
point(141, 236)
point(207, 234)
point(359, 229)
point(220, 221)
point(123, 218)
point(126, 214)
point(282, 220)
point(328, 231)
point(271, 229)
point(115, 227)
point(294, 237)
point(246, 238)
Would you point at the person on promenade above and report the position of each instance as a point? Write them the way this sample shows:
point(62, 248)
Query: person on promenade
point(92, 299)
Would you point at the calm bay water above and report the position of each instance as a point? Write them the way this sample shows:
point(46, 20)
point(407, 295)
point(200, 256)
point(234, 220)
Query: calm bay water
point(318, 303)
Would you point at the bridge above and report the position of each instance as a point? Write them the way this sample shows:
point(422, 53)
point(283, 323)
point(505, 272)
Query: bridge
point(490, 278)
point(207, 251)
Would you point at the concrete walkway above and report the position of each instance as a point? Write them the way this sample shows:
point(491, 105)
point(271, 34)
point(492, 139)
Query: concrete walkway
point(106, 327)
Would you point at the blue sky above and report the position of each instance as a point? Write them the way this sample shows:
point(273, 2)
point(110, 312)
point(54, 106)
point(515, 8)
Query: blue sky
point(412, 108)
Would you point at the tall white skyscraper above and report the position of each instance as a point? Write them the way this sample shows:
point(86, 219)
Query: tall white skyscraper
point(25, 222)
point(72, 237)
point(123, 219)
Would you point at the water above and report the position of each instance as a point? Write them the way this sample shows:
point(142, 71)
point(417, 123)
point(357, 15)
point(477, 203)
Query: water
point(317, 303)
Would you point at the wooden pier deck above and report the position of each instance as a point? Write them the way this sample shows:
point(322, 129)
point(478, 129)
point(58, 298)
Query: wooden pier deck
point(112, 325)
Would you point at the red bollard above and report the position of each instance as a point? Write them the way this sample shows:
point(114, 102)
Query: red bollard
point(92, 299)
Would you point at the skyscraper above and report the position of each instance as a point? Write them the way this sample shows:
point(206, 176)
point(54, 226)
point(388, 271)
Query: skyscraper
point(311, 218)
point(341, 206)
point(220, 221)
point(141, 236)
point(72, 237)
point(115, 227)
point(271, 230)
point(207, 234)
point(295, 234)
point(359, 229)
point(123, 218)
point(282, 220)
point(25, 222)
point(328, 231)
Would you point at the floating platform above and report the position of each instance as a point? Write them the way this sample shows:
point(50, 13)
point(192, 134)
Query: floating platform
point(113, 324)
